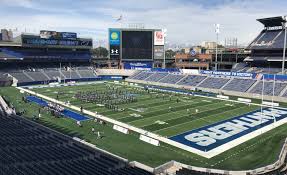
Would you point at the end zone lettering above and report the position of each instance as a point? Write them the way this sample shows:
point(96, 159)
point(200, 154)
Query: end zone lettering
point(212, 136)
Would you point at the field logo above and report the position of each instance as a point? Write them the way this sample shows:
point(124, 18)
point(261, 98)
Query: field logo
point(217, 134)
point(114, 37)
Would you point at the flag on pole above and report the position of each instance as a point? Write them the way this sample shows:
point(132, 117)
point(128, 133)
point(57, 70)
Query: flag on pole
point(120, 18)
point(217, 26)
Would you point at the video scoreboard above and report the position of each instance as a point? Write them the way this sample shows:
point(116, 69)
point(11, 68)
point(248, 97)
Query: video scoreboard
point(136, 45)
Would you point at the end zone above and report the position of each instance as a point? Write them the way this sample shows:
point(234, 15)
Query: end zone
point(211, 140)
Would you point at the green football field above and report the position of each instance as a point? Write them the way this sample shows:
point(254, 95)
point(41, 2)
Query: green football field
point(164, 113)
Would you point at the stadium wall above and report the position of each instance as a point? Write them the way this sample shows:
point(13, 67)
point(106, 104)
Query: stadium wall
point(121, 72)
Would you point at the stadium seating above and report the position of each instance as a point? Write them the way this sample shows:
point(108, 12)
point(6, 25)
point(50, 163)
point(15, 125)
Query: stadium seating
point(53, 74)
point(71, 74)
point(21, 77)
point(279, 41)
point(241, 85)
point(28, 75)
point(172, 78)
point(238, 67)
point(135, 74)
point(87, 73)
point(156, 77)
point(143, 75)
point(191, 80)
point(27, 148)
point(37, 76)
point(214, 83)
point(268, 37)
point(268, 88)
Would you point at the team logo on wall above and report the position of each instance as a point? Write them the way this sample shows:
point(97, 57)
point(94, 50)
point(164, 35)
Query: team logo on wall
point(114, 37)
point(115, 52)
point(192, 53)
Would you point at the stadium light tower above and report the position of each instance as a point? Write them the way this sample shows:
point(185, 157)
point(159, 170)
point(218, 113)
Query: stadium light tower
point(216, 48)
point(164, 38)
point(284, 46)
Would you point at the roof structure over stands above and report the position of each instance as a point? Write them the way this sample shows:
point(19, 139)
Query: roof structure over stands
point(272, 21)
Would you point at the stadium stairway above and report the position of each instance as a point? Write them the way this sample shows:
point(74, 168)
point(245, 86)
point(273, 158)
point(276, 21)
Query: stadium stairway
point(78, 73)
point(28, 76)
point(283, 92)
point(62, 75)
point(254, 85)
point(181, 79)
point(226, 83)
point(44, 73)
point(201, 81)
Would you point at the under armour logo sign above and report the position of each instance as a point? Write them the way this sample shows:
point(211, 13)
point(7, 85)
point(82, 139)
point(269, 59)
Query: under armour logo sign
point(115, 51)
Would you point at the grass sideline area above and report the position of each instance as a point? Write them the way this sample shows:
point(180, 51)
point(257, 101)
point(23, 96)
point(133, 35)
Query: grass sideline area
point(254, 153)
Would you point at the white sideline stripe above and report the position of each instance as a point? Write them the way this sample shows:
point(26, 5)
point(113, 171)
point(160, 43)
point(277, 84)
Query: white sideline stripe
point(208, 154)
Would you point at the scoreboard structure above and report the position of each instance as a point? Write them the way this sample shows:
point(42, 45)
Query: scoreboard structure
point(135, 48)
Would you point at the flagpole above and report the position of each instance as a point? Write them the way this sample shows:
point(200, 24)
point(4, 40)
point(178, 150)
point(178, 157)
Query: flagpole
point(262, 94)
point(284, 46)
point(216, 47)
point(60, 72)
point(273, 97)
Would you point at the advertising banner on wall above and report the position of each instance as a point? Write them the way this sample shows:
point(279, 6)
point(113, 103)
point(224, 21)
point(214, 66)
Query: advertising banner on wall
point(158, 52)
point(37, 41)
point(138, 65)
point(114, 37)
point(68, 35)
point(158, 38)
point(114, 52)
point(46, 34)
point(229, 74)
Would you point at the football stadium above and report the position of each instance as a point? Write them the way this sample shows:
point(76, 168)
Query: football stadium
point(136, 113)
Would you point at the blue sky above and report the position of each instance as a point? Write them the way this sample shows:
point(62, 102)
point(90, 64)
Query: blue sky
point(186, 21)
